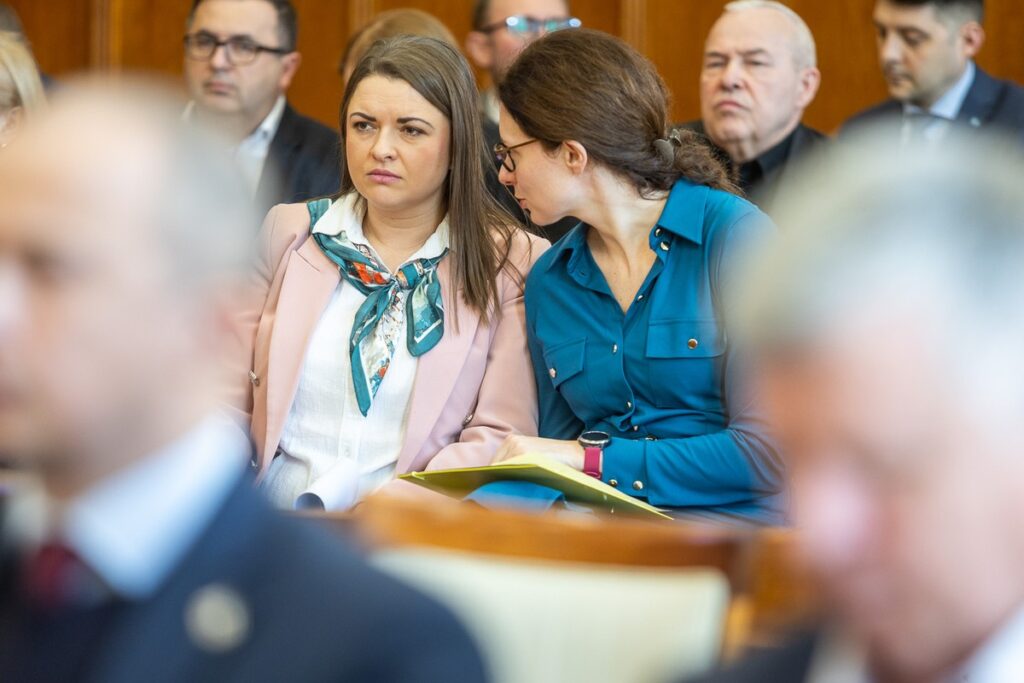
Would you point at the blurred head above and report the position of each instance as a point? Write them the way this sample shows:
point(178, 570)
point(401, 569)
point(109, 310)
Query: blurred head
point(557, 101)
point(21, 91)
point(9, 20)
point(887, 325)
point(759, 74)
point(239, 80)
point(502, 28)
point(413, 144)
point(924, 45)
point(120, 253)
point(396, 22)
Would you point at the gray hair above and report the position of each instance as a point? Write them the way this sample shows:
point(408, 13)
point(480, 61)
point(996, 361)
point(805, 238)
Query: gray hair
point(20, 85)
point(804, 51)
point(937, 234)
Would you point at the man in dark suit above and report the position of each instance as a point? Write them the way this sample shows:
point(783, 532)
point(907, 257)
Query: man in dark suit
point(927, 49)
point(145, 553)
point(885, 328)
point(758, 77)
point(240, 58)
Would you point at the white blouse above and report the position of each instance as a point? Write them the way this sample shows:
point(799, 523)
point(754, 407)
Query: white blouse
point(330, 455)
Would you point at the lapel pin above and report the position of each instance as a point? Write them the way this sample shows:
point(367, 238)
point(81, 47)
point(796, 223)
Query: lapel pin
point(216, 618)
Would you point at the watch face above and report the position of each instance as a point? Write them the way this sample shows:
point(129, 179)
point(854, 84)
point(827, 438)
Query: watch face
point(595, 439)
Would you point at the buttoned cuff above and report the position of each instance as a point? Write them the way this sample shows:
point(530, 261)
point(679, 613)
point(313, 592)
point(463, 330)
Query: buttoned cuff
point(625, 466)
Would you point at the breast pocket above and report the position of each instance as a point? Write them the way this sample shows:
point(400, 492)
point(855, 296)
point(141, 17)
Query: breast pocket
point(685, 364)
point(564, 366)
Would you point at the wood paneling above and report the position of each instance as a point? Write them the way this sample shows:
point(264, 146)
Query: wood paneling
point(61, 32)
point(69, 35)
point(323, 30)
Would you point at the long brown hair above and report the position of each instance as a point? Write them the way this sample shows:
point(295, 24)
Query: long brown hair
point(593, 88)
point(480, 230)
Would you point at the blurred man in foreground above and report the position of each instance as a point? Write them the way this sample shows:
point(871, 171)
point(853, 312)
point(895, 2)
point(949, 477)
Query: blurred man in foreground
point(147, 555)
point(889, 327)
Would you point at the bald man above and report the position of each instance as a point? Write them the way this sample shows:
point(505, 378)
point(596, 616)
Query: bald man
point(146, 554)
point(759, 75)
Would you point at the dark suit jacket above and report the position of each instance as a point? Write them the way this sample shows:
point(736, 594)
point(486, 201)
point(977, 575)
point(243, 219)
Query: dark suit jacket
point(317, 612)
point(990, 104)
point(789, 663)
point(303, 162)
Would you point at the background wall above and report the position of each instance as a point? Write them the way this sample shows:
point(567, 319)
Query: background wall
point(69, 35)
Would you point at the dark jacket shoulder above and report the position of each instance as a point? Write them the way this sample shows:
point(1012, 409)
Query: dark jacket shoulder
point(303, 162)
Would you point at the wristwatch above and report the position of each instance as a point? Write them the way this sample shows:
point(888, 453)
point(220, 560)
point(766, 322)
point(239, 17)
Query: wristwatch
point(593, 444)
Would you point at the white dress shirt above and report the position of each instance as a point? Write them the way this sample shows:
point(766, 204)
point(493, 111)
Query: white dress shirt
point(838, 658)
point(489, 105)
point(331, 456)
point(251, 153)
point(943, 112)
point(134, 527)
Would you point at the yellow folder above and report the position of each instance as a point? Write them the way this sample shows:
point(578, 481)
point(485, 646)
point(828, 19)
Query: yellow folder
point(578, 487)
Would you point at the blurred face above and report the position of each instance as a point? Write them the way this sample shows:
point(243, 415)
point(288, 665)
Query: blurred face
point(752, 90)
point(542, 184)
point(903, 501)
point(397, 146)
point(922, 54)
point(241, 93)
point(497, 49)
point(90, 332)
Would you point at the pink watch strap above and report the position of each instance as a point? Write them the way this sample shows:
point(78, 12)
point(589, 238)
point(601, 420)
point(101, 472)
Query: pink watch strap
point(592, 461)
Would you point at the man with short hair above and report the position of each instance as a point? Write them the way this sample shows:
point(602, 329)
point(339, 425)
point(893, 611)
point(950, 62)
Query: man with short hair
point(886, 326)
point(240, 58)
point(501, 30)
point(148, 555)
point(759, 75)
point(926, 49)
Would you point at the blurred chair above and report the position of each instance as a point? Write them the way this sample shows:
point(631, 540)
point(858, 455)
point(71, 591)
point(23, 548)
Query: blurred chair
point(568, 622)
point(575, 598)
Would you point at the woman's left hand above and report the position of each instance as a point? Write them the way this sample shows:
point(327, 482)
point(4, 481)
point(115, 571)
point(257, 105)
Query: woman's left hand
point(567, 452)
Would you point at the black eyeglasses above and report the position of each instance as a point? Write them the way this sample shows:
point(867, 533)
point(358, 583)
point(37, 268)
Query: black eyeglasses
point(524, 26)
point(240, 50)
point(501, 153)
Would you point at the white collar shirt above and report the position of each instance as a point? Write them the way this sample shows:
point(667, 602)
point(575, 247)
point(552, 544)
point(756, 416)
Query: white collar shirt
point(943, 113)
point(330, 455)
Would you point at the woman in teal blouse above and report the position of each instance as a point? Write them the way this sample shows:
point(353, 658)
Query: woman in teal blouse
point(624, 314)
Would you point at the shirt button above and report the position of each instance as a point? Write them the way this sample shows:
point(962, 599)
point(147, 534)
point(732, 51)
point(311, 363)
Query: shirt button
point(636, 428)
point(639, 297)
point(615, 348)
point(664, 246)
point(657, 232)
point(629, 405)
point(553, 373)
point(613, 482)
point(692, 344)
point(638, 485)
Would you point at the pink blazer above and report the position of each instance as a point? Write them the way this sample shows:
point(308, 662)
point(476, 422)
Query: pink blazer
point(474, 388)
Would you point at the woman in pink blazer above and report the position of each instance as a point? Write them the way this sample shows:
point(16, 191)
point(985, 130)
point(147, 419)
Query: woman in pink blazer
point(388, 334)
